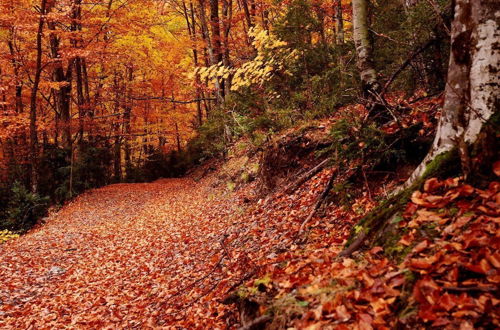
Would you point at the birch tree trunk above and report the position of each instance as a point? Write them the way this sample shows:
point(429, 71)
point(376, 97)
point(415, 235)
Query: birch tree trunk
point(471, 99)
point(472, 89)
point(364, 47)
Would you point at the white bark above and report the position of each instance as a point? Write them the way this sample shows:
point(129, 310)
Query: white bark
point(472, 90)
point(485, 74)
point(363, 46)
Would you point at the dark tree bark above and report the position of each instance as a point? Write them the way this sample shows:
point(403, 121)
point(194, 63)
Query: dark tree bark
point(16, 66)
point(191, 24)
point(227, 12)
point(127, 114)
point(339, 23)
point(62, 95)
point(117, 155)
point(33, 103)
point(212, 56)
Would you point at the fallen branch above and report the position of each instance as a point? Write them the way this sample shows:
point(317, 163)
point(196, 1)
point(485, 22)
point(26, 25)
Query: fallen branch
point(360, 239)
point(471, 288)
point(192, 284)
point(231, 296)
point(258, 321)
point(319, 202)
point(306, 176)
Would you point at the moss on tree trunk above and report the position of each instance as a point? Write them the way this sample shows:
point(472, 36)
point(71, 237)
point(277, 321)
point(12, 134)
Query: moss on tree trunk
point(368, 228)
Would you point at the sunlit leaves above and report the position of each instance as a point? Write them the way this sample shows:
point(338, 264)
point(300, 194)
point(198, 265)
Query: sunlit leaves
point(272, 57)
point(6, 235)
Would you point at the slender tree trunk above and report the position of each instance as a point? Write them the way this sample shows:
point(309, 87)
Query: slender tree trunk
point(127, 118)
point(217, 44)
point(117, 157)
point(19, 83)
point(227, 12)
point(178, 137)
point(364, 48)
point(210, 49)
point(80, 98)
point(472, 89)
point(33, 106)
point(75, 42)
point(339, 23)
point(191, 24)
point(176, 125)
point(246, 10)
point(62, 95)
point(215, 25)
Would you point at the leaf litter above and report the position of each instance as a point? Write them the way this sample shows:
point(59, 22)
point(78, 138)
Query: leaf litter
point(167, 254)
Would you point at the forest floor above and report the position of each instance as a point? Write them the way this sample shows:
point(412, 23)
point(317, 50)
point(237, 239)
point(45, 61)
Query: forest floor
point(118, 256)
point(185, 253)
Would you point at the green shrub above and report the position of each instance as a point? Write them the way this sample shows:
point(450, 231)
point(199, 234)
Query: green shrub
point(353, 140)
point(24, 208)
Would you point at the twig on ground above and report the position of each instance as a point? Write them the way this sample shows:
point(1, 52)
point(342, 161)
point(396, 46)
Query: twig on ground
point(258, 321)
point(318, 204)
point(306, 176)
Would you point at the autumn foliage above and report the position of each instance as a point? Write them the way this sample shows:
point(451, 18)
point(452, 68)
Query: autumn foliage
point(252, 164)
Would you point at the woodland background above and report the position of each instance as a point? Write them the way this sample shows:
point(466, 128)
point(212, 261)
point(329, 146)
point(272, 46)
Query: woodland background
point(97, 92)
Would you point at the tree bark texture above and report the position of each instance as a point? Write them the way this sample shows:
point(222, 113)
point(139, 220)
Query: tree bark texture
point(472, 89)
point(364, 48)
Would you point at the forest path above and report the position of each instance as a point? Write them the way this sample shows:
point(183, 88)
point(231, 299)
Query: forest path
point(119, 256)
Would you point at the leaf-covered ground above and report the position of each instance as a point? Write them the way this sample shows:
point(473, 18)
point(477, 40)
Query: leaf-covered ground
point(126, 255)
point(441, 270)
point(176, 253)
point(154, 255)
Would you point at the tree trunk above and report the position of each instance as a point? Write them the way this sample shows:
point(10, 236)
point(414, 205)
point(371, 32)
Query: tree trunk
point(34, 91)
point(80, 98)
point(472, 89)
point(471, 99)
point(217, 44)
point(178, 137)
point(81, 89)
point(212, 58)
point(215, 25)
point(246, 10)
point(17, 66)
point(127, 114)
point(117, 155)
point(191, 24)
point(364, 48)
point(62, 95)
point(227, 12)
point(339, 23)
